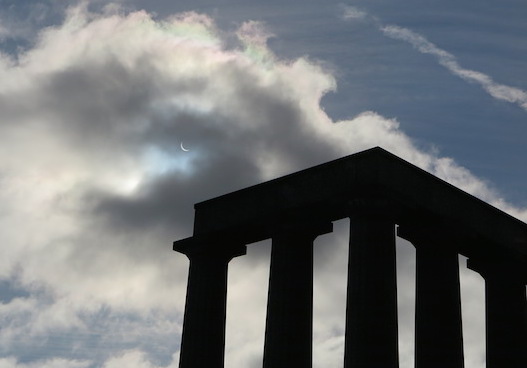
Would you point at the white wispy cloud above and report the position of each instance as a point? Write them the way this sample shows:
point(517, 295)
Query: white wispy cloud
point(87, 218)
point(351, 12)
point(449, 61)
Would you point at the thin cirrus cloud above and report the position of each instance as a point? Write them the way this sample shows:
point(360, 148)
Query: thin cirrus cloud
point(498, 91)
point(95, 187)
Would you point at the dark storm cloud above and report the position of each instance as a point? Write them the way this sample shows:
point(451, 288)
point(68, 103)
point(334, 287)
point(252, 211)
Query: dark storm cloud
point(167, 200)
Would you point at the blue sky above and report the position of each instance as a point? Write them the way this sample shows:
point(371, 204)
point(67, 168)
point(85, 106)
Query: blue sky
point(97, 97)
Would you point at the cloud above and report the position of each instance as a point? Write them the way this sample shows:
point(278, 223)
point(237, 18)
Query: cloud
point(498, 91)
point(50, 363)
point(94, 186)
point(351, 12)
point(133, 358)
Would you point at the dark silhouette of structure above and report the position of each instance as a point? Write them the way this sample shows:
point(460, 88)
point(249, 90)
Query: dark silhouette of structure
point(377, 191)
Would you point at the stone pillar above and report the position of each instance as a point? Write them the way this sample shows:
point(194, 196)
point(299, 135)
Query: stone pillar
point(371, 313)
point(438, 328)
point(505, 312)
point(289, 324)
point(203, 338)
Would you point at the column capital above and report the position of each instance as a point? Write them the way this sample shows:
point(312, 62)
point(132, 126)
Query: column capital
point(427, 235)
point(374, 208)
point(302, 227)
point(417, 233)
point(208, 247)
point(498, 267)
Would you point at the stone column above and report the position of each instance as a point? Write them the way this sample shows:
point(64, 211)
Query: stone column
point(505, 312)
point(289, 324)
point(438, 328)
point(371, 314)
point(203, 338)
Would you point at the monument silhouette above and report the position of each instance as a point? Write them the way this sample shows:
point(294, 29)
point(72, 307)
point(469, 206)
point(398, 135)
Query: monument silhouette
point(378, 192)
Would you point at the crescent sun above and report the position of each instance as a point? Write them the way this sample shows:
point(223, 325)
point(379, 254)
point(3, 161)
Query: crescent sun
point(183, 148)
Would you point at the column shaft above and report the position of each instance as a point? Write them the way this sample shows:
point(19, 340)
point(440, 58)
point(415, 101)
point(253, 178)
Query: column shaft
point(506, 323)
point(505, 313)
point(289, 324)
point(371, 313)
point(203, 337)
point(438, 329)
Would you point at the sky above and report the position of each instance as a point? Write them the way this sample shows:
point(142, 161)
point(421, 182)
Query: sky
point(98, 98)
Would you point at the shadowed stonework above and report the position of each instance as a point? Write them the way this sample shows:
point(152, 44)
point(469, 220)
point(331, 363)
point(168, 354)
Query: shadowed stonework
point(377, 191)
